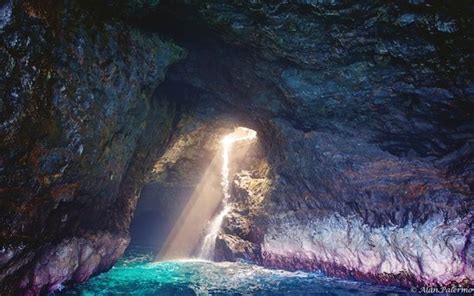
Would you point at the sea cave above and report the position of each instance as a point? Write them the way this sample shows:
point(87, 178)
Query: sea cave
point(184, 147)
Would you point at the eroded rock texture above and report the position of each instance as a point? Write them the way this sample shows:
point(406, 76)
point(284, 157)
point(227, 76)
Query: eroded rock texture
point(78, 127)
point(364, 112)
point(366, 213)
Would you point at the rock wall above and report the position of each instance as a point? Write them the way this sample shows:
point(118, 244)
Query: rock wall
point(365, 110)
point(392, 74)
point(78, 127)
point(353, 210)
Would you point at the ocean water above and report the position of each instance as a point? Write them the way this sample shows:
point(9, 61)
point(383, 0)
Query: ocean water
point(137, 274)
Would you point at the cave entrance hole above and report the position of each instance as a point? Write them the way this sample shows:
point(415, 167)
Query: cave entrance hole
point(182, 220)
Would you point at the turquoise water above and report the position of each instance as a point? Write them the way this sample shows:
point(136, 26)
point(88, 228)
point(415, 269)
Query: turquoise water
point(136, 274)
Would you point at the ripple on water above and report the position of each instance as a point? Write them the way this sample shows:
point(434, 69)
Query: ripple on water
point(136, 274)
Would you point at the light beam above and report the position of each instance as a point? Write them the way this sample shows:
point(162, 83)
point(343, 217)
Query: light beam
point(209, 242)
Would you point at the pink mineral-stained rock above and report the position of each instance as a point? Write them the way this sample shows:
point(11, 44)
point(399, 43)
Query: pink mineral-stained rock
point(72, 260)
point(363, 111)
point(425, 254)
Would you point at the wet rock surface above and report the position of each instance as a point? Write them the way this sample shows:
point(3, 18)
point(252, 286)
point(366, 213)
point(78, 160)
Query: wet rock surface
point(364, 113)
point(77, 122)
point(74, 259)
point(367, 214)
point(339, 67)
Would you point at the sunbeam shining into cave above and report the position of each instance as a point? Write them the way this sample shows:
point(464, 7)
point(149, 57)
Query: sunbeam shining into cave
point(194, 232)
point(124, 166)
point(209, 242)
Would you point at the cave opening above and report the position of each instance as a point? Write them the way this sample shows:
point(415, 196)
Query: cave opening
point(363, 167)
point(181, 212)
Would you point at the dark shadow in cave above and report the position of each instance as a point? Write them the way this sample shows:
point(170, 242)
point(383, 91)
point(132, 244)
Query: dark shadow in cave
point(158, 208)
